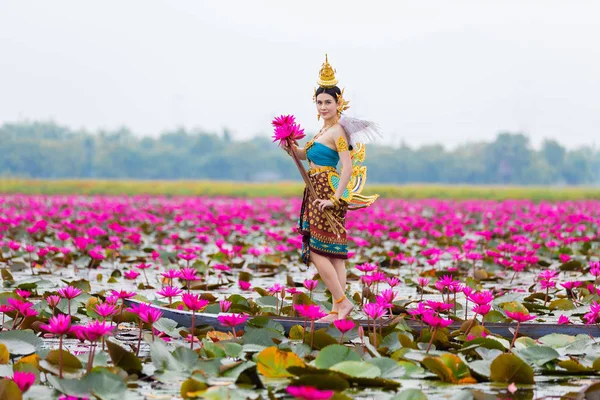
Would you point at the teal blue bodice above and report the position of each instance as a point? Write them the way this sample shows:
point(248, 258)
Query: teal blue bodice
point(320, 154)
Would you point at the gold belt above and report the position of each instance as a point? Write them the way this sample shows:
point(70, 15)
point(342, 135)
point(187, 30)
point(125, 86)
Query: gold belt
point(318, 170)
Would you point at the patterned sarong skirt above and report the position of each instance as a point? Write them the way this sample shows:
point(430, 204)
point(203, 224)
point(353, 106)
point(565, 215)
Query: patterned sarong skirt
point(317, 234)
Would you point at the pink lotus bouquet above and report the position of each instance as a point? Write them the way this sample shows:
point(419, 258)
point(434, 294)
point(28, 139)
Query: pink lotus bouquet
point(286, 129)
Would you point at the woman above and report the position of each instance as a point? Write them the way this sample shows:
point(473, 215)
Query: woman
point(322, 219)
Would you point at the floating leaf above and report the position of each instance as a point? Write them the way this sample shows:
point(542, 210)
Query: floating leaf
point(123, 358)
point(70, 362)
point(575, 367)
point(538, 355)
point(191, 388)
point(390, 369)
point(561, 304)
point(514, 306)
point(333, 354)
point(297, 332)
point(6, 275)
point(509, 368)
point(556, 340)
point(321, 339)
point(9, 390)
point(359, 369)
point(20, 342)
point(329, 381)
point(4, 354)
point(449, 368)
point(410, 394)
point(273, 363)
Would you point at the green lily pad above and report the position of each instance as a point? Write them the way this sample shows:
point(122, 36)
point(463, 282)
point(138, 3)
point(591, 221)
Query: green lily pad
point(334, 354)
point(538, 355)
point(191, 388)
point(509, 368)
point(9, 390)
point(123, 358)
point(449, 368)
point(273, 363)
point(390, 369)
point(21, 342)
point(410, 394)
point(359, 369)
point(329, 381)
point(575, 367)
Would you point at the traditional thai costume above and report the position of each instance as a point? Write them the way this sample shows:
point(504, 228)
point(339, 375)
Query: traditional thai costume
point(326, 235)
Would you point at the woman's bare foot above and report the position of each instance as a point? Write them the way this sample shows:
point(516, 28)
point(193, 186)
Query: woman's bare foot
point(332, 316)
point(345, 308)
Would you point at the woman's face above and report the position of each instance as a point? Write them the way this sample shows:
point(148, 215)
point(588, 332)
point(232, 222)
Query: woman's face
point(326, 106)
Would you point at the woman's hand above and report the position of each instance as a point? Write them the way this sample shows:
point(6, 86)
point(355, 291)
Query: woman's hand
point(287, 148)
point(322, 204)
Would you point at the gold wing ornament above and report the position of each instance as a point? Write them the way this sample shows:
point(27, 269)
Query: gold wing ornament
point(359, 133)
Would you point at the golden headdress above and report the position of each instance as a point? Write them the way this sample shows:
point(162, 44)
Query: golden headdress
point(327, 80)
point(327, 75)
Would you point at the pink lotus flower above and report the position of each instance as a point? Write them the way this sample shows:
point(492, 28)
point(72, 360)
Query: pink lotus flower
point(374, 310)
point(438, 306)
point(393, 282)
point(481, 298)
point(150, 315)
point(343, 325)
point(94, 330)
point(193, 302)
point(186, 256)
point(58, 325)
point(283, 120)
point(244, 285)
point(434, 321)
point(171, 274)
point(23, 293)
point(564, 320)
point(309, 393)
point(69, 292)
point(423, 282)
point(169, 292)
point(564, 258)
point(224, 305)
point(519, 317)
point(482, 309)
point(311, 284)
point(288, 132)
point(366, 267)
point(232, 320)
point(131, 274)
point(310, 311)
point(24, 380)
point(593, 316)
point(53, 300)
point(105, 310)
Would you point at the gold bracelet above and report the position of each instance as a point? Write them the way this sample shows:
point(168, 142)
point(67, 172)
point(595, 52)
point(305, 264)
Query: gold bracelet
point(334, 200)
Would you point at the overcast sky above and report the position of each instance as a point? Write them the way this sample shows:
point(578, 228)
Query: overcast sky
point(427, 71)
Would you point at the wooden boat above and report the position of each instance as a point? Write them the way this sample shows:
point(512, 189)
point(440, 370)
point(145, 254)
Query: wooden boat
point(532, 330)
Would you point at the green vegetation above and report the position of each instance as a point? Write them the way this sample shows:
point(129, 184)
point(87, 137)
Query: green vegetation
point(289, 189)
point(48, 151)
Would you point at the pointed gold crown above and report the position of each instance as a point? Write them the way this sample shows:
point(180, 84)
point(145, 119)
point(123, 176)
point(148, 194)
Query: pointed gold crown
point(327, 75)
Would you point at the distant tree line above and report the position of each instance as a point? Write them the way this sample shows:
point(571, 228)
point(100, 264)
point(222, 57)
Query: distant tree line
point(47, 150)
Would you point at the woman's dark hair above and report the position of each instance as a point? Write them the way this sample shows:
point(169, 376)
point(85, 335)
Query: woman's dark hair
point(332, 91)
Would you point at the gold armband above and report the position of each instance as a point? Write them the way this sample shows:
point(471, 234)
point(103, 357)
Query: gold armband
point(334, 200)
point(341, 144)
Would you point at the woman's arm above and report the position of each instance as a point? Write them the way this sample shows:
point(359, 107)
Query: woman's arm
point(300, 153)
point(342, 147)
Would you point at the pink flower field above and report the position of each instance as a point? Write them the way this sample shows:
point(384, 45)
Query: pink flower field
point(472, 298)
